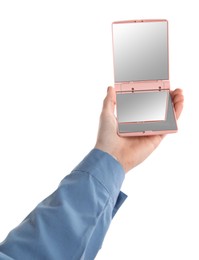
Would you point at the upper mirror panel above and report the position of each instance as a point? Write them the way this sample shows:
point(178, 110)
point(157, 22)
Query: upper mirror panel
point(140, 51)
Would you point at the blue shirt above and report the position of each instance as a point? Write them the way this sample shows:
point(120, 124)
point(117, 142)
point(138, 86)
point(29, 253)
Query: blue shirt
point(72, 222)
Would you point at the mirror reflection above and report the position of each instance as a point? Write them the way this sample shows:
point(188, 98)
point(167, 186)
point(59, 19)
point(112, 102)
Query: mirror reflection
point(140, 51)
point(166, 125)
point(142, 106)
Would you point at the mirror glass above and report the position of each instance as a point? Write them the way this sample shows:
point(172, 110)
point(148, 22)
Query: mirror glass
point(140, 51)
point(166, 125)
point(142, 106)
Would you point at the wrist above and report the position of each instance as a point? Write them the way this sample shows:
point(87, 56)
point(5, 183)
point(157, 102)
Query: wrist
point(112, 153)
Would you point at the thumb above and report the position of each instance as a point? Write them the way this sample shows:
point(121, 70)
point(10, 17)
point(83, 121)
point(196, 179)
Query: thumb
point(110, 100)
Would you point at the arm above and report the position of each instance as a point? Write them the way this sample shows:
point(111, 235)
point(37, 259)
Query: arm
point(72, 222)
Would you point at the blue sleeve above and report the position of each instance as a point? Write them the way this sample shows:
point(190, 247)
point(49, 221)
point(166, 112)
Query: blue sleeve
point(72, 222)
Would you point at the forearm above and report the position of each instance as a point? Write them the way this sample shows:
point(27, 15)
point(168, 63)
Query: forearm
point(72, 222)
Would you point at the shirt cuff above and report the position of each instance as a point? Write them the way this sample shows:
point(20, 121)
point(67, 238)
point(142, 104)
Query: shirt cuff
point(120, 200)
point(106, 169)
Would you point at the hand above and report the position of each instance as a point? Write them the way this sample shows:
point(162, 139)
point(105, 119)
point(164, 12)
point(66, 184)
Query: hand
point(129, 151)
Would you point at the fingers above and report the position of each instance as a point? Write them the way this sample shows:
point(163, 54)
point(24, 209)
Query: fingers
point(177, 95)
point(178, 101)
point(110, 100)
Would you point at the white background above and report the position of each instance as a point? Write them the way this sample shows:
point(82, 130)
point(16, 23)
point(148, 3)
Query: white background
point(55, 66)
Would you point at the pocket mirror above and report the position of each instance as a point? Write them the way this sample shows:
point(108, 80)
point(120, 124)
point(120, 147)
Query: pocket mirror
point(141, 75)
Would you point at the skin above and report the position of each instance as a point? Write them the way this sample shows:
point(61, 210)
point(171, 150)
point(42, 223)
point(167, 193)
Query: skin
point(129, 151)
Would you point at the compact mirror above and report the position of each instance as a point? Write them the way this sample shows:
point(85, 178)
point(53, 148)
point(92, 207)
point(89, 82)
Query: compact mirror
point(143, 100)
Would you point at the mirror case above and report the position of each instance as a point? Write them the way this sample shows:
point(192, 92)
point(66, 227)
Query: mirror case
point(127, 84)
